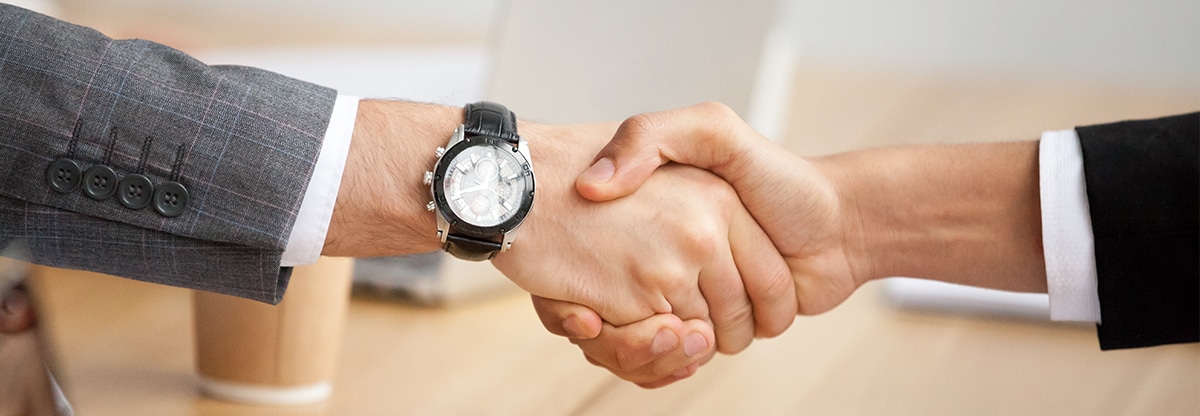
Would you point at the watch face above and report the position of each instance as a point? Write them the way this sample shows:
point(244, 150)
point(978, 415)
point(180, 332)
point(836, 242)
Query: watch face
point(484, 184)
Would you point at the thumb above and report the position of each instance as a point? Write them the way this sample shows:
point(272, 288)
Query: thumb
point(624, 164)
point(567, 319)
point(699, 136)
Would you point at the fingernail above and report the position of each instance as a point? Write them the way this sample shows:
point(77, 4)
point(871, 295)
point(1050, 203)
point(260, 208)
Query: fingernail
point(599, 172)
point(574, 327)
point(665, 340)
point(694, 344)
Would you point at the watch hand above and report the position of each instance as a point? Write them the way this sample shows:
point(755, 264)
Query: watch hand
point(473, 188)
point(490, 182)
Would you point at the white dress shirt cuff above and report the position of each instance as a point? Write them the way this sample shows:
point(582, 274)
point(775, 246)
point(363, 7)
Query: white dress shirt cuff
point(1067, 238)
point(312, 221)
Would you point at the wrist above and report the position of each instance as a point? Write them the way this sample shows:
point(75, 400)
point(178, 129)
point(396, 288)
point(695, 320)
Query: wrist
point(850, 181)
point(558, 154)
point(380, 208)
point(965, 214)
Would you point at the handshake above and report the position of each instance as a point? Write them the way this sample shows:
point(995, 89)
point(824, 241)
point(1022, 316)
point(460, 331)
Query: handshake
point(708, 236)
point(655, 243)
point(689, 233)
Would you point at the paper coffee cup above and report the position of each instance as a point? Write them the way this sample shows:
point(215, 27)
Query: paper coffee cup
point(252, 352)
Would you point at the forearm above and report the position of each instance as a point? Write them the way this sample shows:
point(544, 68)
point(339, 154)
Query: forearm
point(380, 207)
point(967, 214)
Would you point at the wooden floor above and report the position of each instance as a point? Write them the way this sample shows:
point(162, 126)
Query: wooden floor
point(125, 348)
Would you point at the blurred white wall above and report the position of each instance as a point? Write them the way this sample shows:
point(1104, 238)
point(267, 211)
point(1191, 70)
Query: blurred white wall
point(439, 16)
point(47, 7)
point(1136, 41)
point(623, 57)
point(205, 23)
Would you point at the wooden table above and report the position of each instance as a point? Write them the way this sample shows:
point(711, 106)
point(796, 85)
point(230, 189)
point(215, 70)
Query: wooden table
point(125, 348)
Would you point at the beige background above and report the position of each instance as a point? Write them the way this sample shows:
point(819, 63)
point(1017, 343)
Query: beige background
point(125, 347)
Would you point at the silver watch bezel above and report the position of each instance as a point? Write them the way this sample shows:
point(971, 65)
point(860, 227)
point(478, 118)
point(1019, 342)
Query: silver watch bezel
point(447, 221)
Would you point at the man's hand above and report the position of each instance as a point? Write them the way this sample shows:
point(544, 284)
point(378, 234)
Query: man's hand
point(652, 353)
point(683, 244)
point(794, 200)
point(966, 214)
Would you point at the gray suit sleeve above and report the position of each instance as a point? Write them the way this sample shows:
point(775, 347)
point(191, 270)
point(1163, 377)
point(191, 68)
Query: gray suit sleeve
point(241, 141)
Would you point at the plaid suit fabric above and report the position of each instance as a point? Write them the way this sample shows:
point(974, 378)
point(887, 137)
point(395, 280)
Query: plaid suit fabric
point(242, 140)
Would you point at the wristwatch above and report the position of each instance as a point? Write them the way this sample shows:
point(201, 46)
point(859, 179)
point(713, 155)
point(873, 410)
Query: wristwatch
point(482, 184)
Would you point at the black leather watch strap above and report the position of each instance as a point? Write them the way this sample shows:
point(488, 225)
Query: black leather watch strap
point(486, 118)
point(490, 119)
point(468, 248)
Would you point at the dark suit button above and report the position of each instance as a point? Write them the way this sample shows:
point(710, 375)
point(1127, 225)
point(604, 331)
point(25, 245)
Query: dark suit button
point(135, 191)
point(170, 199)
point(63, 175)
point(99, 182)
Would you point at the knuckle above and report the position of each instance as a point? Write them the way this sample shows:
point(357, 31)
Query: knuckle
point(676, 281)
point(636, 130)
point(778, 288)
point(770, 328)
point(636, 134)
point(778, 285)
point(732, 346)
point(743, 314)
point(716, 109)
point(668, 276)
point(705, 244)
point(639, 123)
point(702, 238)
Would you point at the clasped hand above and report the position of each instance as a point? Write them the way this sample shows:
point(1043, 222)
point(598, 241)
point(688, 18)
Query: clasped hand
point(682, 245)
point(791, 199)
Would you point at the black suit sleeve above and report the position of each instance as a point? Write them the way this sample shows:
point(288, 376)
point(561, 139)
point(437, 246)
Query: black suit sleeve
point(1142, 187)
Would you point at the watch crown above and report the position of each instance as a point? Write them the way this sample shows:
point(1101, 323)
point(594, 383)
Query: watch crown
point(430, 206)
point(440, 151)
point(428, 178)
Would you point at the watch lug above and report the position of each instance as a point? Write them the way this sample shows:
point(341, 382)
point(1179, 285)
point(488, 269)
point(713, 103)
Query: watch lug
point(458, 135)
point(506, 243)
point(523, 149)
point(443, 227)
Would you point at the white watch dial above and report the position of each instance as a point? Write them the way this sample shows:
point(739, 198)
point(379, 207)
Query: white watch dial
point(484, 185)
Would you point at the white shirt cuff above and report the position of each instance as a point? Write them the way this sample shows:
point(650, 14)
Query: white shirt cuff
point(1067, 238)
point(312, 221)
